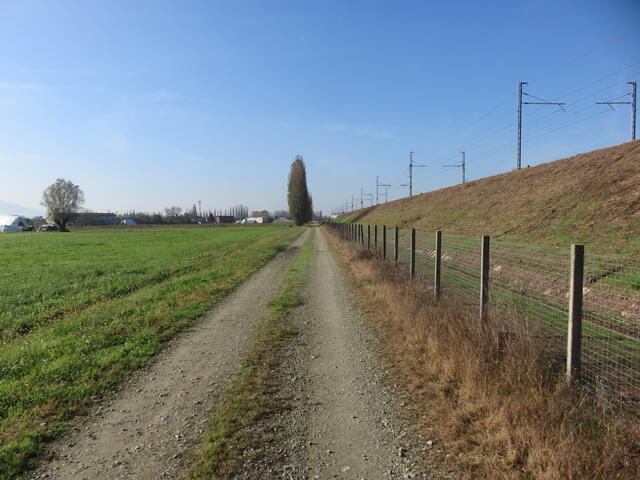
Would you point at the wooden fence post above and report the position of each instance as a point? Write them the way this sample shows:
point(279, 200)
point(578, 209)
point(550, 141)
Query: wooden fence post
point(368, 237)
point(484, 278)
point(384, 242)
point(395, 244)
point(412, 263)
point(574, 333)
point(375, 236)
point(438, 265)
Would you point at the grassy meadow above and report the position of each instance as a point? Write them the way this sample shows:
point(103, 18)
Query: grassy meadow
point(80, 311)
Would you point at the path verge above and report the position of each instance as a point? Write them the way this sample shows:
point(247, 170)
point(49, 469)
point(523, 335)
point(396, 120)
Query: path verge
point(489, 394)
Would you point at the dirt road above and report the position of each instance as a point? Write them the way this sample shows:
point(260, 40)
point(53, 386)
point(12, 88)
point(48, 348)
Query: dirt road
point(354, 429)
point(142, 432)
point(340, 419)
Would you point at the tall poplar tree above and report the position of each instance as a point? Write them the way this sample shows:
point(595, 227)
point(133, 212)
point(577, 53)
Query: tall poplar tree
point(300, 205)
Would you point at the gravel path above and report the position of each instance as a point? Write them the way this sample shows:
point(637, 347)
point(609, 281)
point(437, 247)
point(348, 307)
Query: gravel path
point(339, 417)
point(353, 432)
point(142, 431)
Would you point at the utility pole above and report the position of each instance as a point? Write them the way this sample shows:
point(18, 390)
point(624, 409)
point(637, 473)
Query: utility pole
point(634, 97)
point(386, 190)
point(361, 195)
point(519, 143)
point(632, 102)
point(378, 184)
point(461, 166)
point(352, 199)
point(200, 207)
point(520, 104)
point(411, 167)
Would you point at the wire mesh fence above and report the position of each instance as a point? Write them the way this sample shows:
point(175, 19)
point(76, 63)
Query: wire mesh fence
point(404, 248)
point(611, 328)
point(531, 285)
point(425, 255)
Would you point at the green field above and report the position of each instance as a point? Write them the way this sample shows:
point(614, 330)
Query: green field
point(80, 311)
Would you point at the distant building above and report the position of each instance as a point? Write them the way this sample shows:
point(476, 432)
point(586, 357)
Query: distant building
point(128, 221)
point(93, 218)
point(260, 219)
point(225, 219)
point(13, 223)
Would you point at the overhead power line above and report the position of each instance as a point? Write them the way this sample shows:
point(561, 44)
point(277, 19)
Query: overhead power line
point(378, 185)
point(632, 102)
point(520, 104)
point(411, 167)
point(461, 166)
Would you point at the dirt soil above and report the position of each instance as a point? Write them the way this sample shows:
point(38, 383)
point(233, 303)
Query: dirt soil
point(341, 416)
point(143, 430)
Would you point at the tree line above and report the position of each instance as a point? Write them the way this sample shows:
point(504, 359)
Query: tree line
point(63, 201)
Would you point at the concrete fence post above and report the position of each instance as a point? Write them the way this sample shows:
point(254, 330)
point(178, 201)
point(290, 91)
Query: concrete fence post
point(384, 242)
point(484, 278)
point(574, 333)
point(412, 263)
point(438, 265)
point(396, 236)
point(368, 237)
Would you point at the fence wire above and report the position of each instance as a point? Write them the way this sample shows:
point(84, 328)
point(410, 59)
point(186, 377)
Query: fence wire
point(611, 325)
point(460, 269)
point(425, 256)
point(531, 283)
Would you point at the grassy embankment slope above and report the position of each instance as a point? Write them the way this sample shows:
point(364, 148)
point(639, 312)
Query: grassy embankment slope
point(80, 311)
point(591, 198)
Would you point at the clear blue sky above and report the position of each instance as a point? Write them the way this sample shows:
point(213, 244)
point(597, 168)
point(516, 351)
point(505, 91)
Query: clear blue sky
point(148, 104)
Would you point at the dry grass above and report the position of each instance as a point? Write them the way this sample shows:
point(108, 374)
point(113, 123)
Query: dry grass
point(491, 393)
point(591, 198)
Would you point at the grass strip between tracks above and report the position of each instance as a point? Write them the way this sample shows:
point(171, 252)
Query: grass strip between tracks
point(222, 449)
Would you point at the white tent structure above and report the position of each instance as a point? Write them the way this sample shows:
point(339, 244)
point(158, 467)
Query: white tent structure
point(12, 223)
